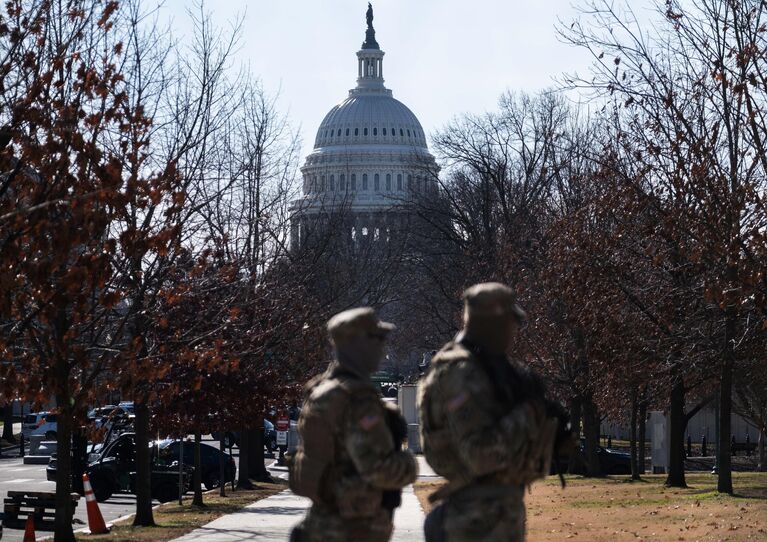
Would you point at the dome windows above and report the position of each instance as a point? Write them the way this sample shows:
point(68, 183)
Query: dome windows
point(399, 182)
point(342, 182)
point(364, 181)
point(388, 182)
point(332, 183)
point(322, 184)
point(335, 133)
point(377, 179)
point(354, 182)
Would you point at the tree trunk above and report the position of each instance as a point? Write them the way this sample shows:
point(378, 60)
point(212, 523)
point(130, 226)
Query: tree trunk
point(633, 436)
point(144, 516)
point(222, 465)
point(63, 522)
point(243, 479)
point(575, 464)
point(8, 423)
point(724, 460)
point(762, 453)
point(591, 433)
point(642, 434)
point(724, 450)
point(675, 476)
point(197, 481)
point(258, 470)
point(79, 459)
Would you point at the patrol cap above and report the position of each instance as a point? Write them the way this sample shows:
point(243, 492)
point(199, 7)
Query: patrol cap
point(492, 299)
point(358, 321)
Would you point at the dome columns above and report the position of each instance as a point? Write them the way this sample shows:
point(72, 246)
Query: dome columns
point(370, 69)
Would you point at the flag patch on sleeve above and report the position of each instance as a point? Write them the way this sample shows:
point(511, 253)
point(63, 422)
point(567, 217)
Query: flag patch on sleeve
point(369, 422)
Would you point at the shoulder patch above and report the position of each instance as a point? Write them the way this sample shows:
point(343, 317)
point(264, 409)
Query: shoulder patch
point(369, 422)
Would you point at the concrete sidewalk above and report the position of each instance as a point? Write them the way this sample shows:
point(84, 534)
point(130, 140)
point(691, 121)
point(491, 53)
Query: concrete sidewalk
point(272, 519)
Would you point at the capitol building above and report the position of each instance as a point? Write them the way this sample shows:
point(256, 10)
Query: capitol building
point(369, 164)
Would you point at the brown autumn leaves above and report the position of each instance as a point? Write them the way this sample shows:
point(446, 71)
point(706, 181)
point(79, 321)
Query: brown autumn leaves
point(144, 218)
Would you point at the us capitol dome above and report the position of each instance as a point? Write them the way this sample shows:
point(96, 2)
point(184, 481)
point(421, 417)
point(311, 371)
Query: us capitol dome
point(370, 160)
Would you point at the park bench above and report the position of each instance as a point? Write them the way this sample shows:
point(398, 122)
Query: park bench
point(18, 505)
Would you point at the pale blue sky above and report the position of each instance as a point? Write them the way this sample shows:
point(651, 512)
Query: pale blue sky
point(443, 57)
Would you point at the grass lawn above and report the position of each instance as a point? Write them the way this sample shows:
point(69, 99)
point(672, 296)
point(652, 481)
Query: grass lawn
point(174, 520)
point(615, 510)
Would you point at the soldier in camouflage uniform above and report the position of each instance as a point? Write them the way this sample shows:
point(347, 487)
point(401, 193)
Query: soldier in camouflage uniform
point(482, 427)
point(350, 462)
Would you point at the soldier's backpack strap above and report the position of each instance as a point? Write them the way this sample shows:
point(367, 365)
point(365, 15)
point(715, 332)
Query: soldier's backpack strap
point(511, 384)
point(434, 525)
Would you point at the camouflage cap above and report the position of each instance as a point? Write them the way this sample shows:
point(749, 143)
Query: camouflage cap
point(358, 321)
point(492, 299)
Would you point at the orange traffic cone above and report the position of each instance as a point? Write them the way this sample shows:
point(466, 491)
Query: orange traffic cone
point(29, 530)
point(95, 519)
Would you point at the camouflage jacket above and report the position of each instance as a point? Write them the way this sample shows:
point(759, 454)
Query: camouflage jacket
point(347, 456)
point(468, 434)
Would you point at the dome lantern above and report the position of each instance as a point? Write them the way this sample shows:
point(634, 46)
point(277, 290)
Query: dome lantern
point(370, 61)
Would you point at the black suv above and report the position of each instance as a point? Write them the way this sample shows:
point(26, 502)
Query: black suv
point(232, 438)
point(611, 461)
point(115, 471)
point(209, 460)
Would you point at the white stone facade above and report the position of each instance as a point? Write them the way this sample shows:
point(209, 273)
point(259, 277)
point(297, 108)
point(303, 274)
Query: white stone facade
point(370, 156)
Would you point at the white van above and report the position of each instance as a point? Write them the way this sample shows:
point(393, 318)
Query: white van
point(39, 423)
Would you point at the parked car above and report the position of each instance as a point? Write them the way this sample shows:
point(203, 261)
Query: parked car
point(128, 407)
point(105, 416)
point(115, 471)
point(97, 413)
point(612, 461)
point(168, 451)
point(232, 438)
point(39, 423)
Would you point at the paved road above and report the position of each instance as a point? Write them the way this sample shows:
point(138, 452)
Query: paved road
point(15, 476)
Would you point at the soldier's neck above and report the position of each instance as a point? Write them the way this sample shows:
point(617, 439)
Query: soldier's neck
point(481, 345)
point(348, 365)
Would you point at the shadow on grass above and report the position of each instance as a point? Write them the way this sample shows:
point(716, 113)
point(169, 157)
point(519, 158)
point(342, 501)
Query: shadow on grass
point(639, 481)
